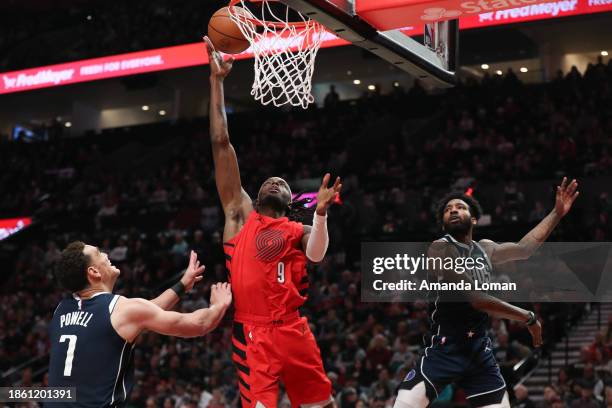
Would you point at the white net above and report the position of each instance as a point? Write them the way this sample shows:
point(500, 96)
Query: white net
point(284, 51)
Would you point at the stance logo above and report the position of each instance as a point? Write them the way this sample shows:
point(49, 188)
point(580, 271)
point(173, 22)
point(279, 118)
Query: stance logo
point(269, 244)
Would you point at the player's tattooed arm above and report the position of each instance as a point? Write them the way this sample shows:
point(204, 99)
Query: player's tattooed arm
point(479, 300)
point(235, 201)
point(510, 251)
point(193, 274)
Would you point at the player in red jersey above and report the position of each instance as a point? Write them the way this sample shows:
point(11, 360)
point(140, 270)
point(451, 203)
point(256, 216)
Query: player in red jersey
point(266, 257)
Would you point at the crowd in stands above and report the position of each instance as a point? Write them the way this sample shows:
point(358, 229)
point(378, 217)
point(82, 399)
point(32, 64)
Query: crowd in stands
point(45, 34)
point(146, 196)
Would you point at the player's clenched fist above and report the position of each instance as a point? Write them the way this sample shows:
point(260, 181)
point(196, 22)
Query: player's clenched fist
point(221, 294)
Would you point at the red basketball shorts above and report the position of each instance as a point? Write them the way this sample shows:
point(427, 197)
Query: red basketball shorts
point(265, 355)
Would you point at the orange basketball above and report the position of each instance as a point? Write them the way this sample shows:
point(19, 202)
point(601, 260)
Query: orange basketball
point(225, 34)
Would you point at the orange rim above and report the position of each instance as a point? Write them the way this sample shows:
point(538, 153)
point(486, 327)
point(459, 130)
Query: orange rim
point(297, 24)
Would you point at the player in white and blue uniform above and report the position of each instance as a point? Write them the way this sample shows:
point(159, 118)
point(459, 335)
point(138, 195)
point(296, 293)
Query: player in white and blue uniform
point(458, 350)
point(92, 332)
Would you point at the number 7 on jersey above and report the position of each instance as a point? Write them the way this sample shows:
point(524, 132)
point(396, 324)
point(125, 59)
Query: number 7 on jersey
point(70, 353)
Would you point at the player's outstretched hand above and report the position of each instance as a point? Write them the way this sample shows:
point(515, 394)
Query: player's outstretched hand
point(218, 67)
point(326, 195)
point(536, 333)
point(566, 195)
point(193, 273)
point(221, 294)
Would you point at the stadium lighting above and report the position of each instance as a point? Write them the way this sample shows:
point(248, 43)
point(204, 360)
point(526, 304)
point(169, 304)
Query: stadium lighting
point(89, 17)
point(524, 69)
point(372, 87)
point(484, 66)
point(396, 84)
point(357, 81)
point(499, 72)
point(145, 107)
point(68, 124)
point(162, 113)
point(604, 53)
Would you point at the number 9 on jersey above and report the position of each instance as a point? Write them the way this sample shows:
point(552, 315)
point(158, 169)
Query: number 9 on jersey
point(281, 272)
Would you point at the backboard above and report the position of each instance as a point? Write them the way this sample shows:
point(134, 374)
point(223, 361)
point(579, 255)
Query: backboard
point(368, 24)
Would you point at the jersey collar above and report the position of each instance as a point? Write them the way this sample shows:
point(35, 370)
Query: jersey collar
point(461, 244)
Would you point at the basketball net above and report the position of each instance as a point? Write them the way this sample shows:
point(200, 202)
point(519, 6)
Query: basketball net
point(284, 52)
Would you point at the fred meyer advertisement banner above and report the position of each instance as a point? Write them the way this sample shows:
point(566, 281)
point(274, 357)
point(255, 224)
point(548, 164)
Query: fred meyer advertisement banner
point(384, 15)
point(393, 14)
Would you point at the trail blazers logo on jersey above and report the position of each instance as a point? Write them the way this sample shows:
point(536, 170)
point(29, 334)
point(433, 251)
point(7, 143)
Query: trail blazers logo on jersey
point(269, 244)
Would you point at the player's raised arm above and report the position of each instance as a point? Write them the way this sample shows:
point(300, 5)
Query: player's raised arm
point(236, 202)
point(170, 297)
point(481, 301)
point(131, 316)
point(316, 239)
point(510, 251)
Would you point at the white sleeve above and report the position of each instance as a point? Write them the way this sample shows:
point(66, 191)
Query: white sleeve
point(316, 247)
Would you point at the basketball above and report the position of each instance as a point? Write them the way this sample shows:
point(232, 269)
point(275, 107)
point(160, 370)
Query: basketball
point(225, 34)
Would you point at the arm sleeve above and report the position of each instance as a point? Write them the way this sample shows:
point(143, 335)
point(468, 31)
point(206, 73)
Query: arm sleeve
point(316, 247)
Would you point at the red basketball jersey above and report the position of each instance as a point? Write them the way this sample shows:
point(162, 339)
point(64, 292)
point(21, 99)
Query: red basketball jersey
point(267, 269)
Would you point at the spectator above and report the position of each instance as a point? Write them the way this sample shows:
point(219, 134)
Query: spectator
point(332, 98)
point(379, 353)
point(586, 399)
point(522, 400)
point(537, 213)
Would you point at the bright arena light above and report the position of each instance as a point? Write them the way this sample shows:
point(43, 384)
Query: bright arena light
point(498, 72)
point(357, 81)
point(145, 107)
point(396, 84)
point(484, 66)
point(604, 53)
point(372, 87)
point(68, 124)
point(162, 113)
point(524, 69)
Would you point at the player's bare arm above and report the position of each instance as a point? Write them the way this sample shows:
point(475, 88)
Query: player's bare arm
point(235, 201)
point(481, 301)
point(131, 316)
point(170, 297)
point(316, 239)
point(499, 253)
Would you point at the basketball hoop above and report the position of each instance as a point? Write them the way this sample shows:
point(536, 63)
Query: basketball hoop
point(284, 51)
